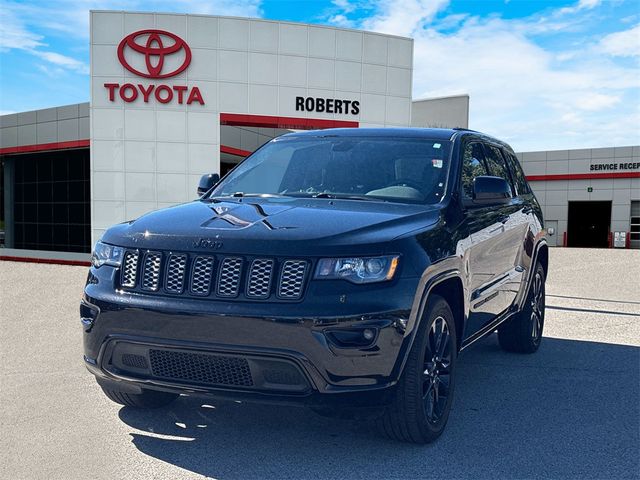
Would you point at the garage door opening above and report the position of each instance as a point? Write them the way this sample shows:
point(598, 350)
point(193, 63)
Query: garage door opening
point(589, 224)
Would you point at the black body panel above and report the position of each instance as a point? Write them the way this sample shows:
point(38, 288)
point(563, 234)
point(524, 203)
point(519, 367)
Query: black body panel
point(307, 347)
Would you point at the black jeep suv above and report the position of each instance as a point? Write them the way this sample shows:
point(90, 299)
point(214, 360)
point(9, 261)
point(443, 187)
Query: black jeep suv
point(339, 269)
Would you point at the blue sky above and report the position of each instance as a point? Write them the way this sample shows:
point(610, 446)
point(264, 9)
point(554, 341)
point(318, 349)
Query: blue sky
point(541, 74)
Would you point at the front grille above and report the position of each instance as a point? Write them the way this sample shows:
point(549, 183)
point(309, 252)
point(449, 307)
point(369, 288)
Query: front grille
point(229, 279)
point(151, 272)
point(207, 276)
point(292, 279)
point(201, 275)
point(259, 283)
point(174, 282)
point(200, 368)
point(129, 269)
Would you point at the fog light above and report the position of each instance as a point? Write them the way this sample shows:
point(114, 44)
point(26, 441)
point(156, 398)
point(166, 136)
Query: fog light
point(352, 337)
point(368, 334)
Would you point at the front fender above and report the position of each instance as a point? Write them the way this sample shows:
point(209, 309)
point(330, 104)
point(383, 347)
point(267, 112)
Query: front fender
point(446, 269)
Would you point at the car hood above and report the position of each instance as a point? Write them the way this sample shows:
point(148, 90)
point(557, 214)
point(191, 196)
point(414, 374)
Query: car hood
point(273, 225)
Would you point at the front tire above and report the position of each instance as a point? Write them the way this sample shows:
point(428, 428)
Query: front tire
point(146, 399)
point(420, 409)
point(523, 332)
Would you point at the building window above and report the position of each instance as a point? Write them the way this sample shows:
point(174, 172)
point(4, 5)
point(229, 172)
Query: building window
point(51, 203)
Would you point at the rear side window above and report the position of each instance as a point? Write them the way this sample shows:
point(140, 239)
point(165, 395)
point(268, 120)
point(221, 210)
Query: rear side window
point(473, 165)
point(518, 175)
point(497, 165)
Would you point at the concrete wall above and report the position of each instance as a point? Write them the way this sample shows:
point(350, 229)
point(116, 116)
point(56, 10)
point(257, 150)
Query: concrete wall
point(444, 112)
point(51, 125)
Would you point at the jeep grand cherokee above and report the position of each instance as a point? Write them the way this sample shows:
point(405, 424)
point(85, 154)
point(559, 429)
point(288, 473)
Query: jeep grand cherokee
point(340, 269)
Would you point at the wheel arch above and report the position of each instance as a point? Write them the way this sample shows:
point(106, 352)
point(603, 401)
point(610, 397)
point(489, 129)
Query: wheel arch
point(446, 281)
point(542, 256)
point(452, 290)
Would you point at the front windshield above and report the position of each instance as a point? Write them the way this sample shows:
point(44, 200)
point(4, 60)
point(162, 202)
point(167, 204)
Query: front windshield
point(397, 169)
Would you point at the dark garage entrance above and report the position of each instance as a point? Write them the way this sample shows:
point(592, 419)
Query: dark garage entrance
point(589, 224)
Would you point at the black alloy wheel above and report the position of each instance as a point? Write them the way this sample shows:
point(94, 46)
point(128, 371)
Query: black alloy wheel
point(537, 302)
point(436, 377)
point(523, 332)
point(422, 402)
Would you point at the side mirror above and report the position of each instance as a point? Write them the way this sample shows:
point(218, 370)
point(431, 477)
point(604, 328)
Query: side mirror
point(491, 190)
point(206, 182)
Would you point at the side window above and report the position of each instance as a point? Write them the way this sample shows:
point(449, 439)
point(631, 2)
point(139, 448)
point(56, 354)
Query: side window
point(472, 166)
point(497, 165)
point(518, 174)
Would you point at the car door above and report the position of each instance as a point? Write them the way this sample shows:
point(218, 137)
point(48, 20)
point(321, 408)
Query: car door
point(515, 221)
point(527, 220)
point(485, 245)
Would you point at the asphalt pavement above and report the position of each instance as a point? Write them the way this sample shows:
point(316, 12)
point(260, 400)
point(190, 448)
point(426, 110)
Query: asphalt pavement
point(570, 411)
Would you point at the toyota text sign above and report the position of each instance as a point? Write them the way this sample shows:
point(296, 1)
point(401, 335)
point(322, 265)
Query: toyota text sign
point(154, 54)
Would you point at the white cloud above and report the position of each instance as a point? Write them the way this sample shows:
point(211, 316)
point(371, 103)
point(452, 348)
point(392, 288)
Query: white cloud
point(581, 5)
point(341, 20)
point(402, 17)
point(533, 96)
point(62, 61)
point(598, 101)
point(13, 33)
point(622, 44)
point(344, 5)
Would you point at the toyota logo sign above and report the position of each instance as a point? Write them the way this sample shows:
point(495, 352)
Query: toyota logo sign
point(154, 51)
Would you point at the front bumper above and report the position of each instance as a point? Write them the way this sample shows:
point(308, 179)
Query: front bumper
point(146, 342)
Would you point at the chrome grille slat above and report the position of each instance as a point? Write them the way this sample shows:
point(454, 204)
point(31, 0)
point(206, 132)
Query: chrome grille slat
point(129, 269)
point(259, 281)
point(174, 281)
point(151, 271)
point(229, 277)
point(201, 273)
point(292, 279)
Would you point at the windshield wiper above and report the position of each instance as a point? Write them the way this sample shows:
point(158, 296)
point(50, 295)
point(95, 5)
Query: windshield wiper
point(248, 195)
point(340, 196)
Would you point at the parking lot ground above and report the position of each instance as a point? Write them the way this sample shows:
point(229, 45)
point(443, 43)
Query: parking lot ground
point(570, 411)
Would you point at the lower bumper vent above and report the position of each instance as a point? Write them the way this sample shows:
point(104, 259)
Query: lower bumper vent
point(200, 368)
point(135, 361)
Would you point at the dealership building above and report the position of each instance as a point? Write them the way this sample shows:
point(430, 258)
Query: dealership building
point(176, 96)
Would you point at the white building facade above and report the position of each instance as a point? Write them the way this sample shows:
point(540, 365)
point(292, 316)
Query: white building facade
point(591, 197)
point(162, 85)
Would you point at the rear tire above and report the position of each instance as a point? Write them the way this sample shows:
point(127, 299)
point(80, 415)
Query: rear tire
point(421, 406)
point(146, 399)
point(523, 332)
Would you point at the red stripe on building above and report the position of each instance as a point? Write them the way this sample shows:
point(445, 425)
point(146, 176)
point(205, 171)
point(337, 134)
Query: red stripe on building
point(235, 151)
point(56, 261)
point(40, 147)
point(582, 176)
point(294, 123)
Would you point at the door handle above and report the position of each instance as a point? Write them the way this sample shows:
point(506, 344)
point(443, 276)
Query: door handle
point(504, 219)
